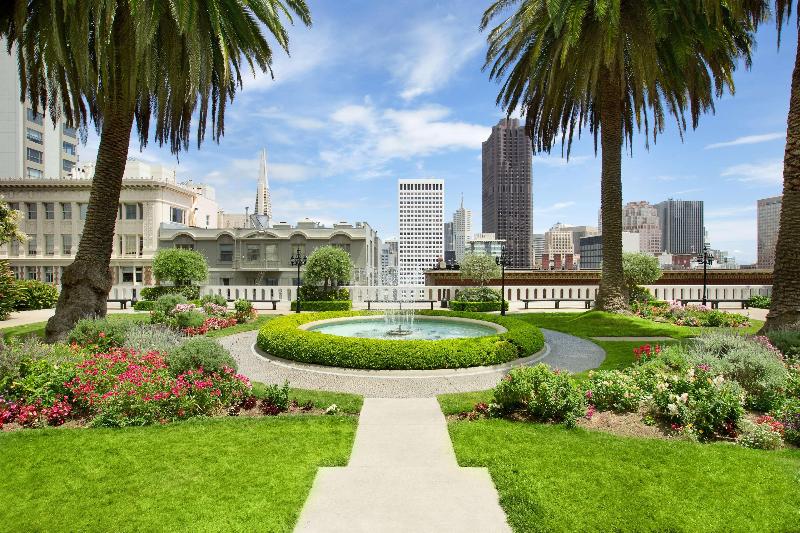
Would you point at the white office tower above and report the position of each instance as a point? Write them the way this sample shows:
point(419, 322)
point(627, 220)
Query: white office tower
point(421, 240)
point(462, 230)
point(263, 200)
point(30, 147)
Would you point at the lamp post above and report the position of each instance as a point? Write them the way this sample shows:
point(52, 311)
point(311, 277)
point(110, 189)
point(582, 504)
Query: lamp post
point(502, 261)
point(705, 258)
point(298, 260)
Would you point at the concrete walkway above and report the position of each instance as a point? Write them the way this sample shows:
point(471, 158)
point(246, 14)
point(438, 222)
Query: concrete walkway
point(402, 477)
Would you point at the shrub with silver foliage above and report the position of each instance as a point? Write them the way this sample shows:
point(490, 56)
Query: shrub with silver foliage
point(153, 337)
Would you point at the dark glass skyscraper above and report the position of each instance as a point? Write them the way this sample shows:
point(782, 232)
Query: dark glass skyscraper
point(508, 190)
point(682, 226)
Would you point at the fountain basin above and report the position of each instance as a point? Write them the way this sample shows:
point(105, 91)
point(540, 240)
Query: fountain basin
point(424, 328)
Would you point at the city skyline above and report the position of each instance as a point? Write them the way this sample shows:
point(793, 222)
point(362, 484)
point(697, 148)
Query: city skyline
point(377, 122)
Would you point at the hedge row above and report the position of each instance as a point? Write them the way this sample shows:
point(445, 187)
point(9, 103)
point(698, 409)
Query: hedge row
point(281, 337)
point(476, 307)
point(330, 305)
point(190, 292)
point(144, 305)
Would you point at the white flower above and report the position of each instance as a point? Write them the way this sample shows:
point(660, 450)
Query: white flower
point(690, 374)
point(332, 409)
point(672, 408)
point(718, 381)
point(683, 397)
point(661, 387)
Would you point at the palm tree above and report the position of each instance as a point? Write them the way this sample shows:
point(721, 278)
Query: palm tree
point(616, 66)
point(113, 63)
point(785, 308)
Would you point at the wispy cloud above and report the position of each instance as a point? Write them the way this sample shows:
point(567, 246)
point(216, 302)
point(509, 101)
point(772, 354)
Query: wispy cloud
point(558, 206)
point(765, 172)
point(553, 161)
point(748, 139)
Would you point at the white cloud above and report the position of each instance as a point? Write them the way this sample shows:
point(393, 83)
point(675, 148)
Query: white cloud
point(766, 172)
point(748, 139)
point(437, 51)
point(559, 162)
point(289, 172)
point(291, 120)
point(558, 206)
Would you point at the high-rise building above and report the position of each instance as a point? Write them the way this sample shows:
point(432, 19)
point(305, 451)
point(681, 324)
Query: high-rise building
point(769, 216)
point(538, 249)
point(449, 245)
point(388, 273)
point(263, 199)
point(30, 147)
point(591, 249)
point(462, 230)
point(682, 226)
point(579, 232)
point(485, 244)
point(642, 218)
point(421, 240)
point(508, 190)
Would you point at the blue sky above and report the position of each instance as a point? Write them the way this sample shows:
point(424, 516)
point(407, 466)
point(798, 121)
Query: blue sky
point(377, 91)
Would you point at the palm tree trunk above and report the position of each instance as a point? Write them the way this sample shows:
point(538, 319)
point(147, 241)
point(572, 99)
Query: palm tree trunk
point(612, 295)
point(785, 308)
point(87, 281)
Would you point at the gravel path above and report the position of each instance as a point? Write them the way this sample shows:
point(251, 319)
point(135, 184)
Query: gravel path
point(561, 351)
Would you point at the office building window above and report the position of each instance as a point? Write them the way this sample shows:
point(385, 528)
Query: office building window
point(48, 275)
point(226, 252)
point(67, 165)
point(82, 208)
point(49, 210)
point(34, 136)
point(34, 173)
point(176, 214)
point(34, 156)
point(68, 148)
point(66, 211)
point(49, 244)
point(66, 244)
point(30, 208)
point(36, 118)
point(32, 245)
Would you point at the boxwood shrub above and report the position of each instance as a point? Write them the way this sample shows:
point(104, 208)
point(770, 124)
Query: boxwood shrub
point(190, 292)
point(144, 305)
point(33, 294)
point(281, 337)
point(476, 307)
point(327, 305)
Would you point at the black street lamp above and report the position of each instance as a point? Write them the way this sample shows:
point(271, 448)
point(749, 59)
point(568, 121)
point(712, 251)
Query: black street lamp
point(503, 262)
point(298, 260)
point(705, 258)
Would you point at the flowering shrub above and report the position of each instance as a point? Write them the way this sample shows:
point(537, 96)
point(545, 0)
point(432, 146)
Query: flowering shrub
point(58, 413)
point(613, 390)
point(210, 324)
point(765, 434)
point(276, 399)
point(202, 353)
point(688, 315)
point(646, 352)
point(243, 311)
point(29, 415)
point(98, 334)
point(183, 308)
point(789, 417)
point(213, 309)
point(542, 394)
point(708, 403)
point(8, 411)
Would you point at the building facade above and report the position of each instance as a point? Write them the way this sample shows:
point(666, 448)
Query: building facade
point(538, 249)
point(53, 212)
point(261, 257)
point(388, 274)
point(642, 218)
point(263, 206)
point(449, 244)
point(507, 198)
point(462, 230)
point(682, 226)
point(421, 223)
point(591, 249)
point(30, 146)
point(769, 216)
point(485, 244)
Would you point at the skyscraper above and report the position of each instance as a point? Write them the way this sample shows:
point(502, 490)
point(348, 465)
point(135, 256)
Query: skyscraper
point(30, 147)
point(421, 240)
point(449, 245)
point(769, 215)
point(462, 230)
point(263, 199)
point(682, 226)
point(508, 190)
point(642, 218)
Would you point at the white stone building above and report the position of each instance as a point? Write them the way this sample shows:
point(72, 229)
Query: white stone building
point(421, 224)
point(642, 218)
point(485, 244)
point(769, 216)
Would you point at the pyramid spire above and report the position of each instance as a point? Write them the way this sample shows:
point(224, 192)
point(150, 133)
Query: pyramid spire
point(263, 200)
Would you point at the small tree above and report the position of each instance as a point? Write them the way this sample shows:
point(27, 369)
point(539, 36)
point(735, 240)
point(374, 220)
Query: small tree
point(181, 267)
point(639, 269)
point(328, 266)
point(480, 268)
point(9, 231)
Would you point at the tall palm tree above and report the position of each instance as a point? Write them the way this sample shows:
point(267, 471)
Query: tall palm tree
point(116, 63)
point(785, 308)
point(616, 66)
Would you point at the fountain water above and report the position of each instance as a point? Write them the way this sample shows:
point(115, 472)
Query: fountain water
point(400, 318)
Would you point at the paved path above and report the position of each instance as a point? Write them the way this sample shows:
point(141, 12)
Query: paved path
point(561, 351)
point(402, 476)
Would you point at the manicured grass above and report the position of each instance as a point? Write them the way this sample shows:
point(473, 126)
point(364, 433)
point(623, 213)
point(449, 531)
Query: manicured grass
point(347, 403)
point(241, 328)
point(600, 324)
point(37, 328)
point(553, 479)
point(243, 474)
point(462, 402)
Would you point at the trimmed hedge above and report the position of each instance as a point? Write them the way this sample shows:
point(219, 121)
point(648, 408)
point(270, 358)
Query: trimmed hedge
point(331, 305)
point(281, 337)
point(33, 294)
point(191, 292)
point(144, 305)
point(476, 307)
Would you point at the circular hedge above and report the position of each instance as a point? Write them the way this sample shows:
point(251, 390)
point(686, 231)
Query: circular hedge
point(281, 337)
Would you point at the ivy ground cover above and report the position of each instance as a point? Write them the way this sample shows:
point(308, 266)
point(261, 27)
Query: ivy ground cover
point(230, 474)
point(555, 479)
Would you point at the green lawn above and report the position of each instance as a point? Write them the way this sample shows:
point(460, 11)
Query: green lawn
point(243, 474)
point(553, 479)
point(37, 328)
point(241, 328)
point(347, 403)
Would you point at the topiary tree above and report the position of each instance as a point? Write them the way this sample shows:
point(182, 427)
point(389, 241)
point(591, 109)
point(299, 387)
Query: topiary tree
point(639, 269)
point(328, 266)
point(181, 267)
point(480, 268)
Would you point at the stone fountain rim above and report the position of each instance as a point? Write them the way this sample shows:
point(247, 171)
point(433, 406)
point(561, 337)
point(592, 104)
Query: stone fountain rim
point(499, 330)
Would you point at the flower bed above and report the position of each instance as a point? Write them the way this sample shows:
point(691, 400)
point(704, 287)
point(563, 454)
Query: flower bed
point(282, 337)
point(688, 315)
point(208, 314)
